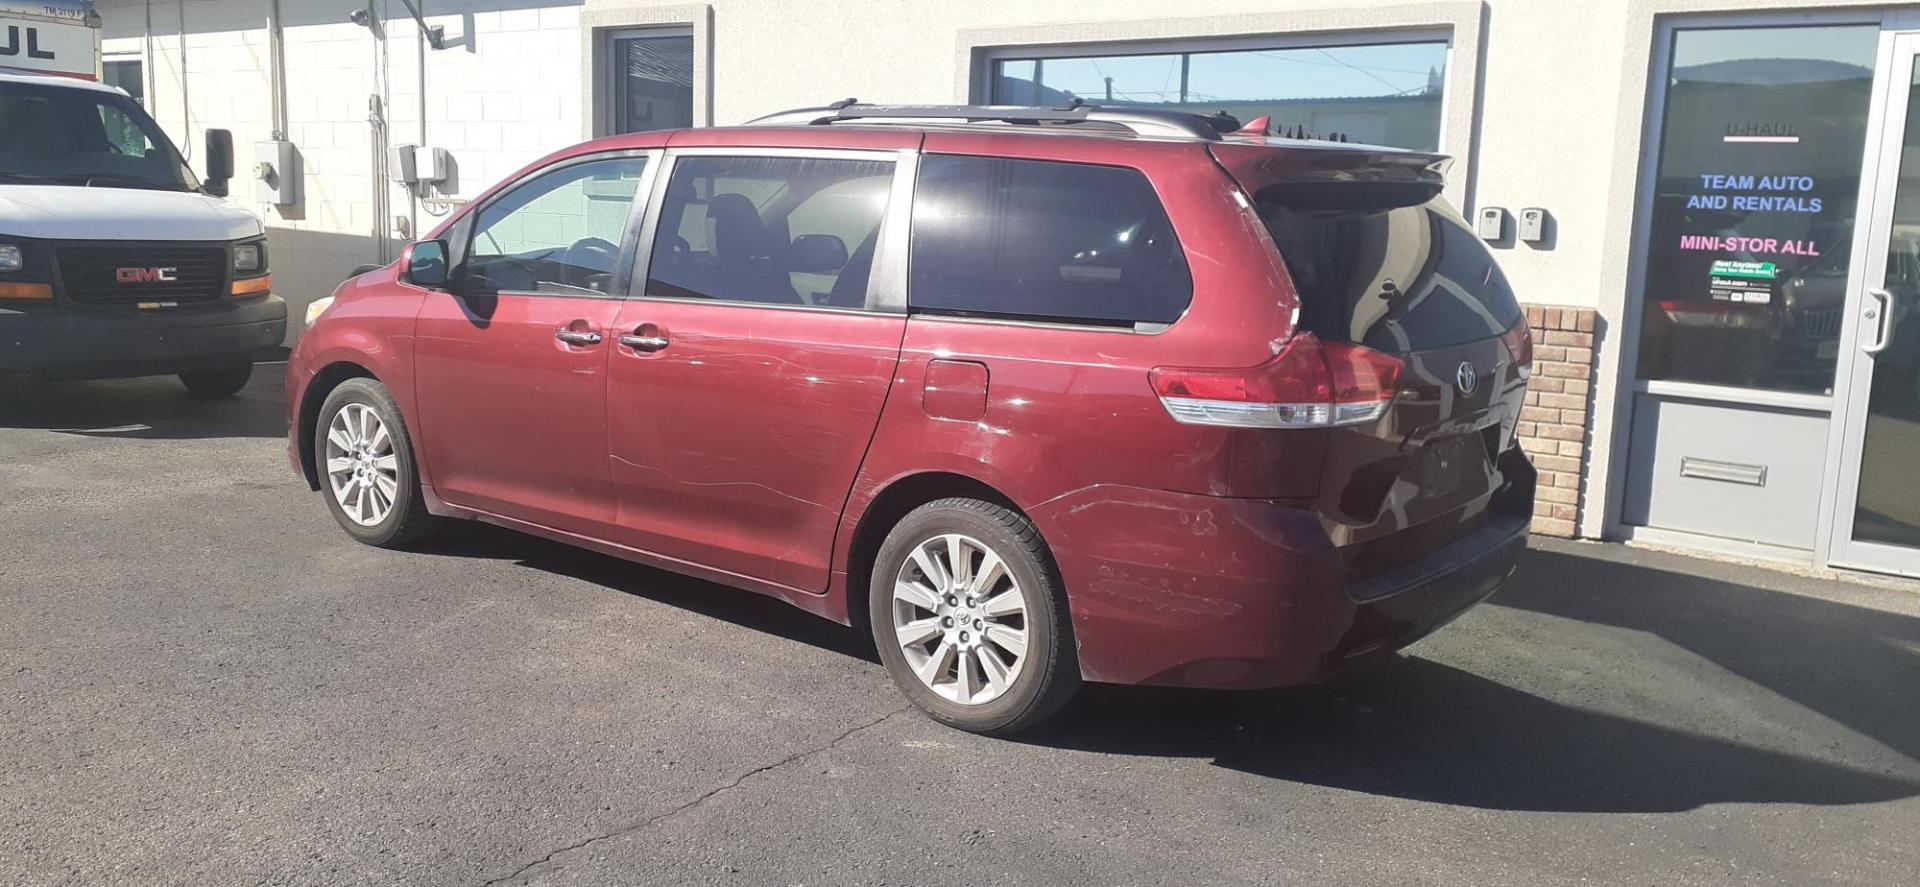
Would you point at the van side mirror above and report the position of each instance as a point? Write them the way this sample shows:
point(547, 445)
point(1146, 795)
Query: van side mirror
point(425, 265)
point(219, 161)
point(817, 254)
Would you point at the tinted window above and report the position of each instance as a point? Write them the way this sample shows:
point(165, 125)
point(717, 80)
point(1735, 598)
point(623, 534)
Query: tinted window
point(558, 232)
point(1045, 240)
point(771, 230)
point(1398, 280)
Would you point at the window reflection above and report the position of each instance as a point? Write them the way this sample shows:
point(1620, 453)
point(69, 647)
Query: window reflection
point(1383, 94)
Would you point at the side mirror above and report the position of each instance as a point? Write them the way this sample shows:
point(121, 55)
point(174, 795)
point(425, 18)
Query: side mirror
point(425, 265)
point(817, 254)
point(219, 161)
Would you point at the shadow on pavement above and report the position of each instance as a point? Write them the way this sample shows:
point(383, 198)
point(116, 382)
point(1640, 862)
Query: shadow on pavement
point(1422, 730)
point(1858, 667)
point(742, 608)
point(152, 408)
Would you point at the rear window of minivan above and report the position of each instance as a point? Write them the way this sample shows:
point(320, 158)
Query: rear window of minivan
point(1395, 279)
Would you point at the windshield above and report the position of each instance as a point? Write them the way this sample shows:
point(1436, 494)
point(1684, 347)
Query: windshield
point(66, 136)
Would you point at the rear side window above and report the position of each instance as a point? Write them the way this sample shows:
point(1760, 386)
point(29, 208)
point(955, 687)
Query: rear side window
point(1400, 280)
point(1044, 240)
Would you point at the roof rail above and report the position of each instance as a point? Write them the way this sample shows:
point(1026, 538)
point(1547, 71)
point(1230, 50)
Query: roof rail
point(1139, 121)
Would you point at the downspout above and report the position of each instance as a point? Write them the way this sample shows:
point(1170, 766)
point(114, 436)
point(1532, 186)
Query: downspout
point(150, 71)
point(186, 108)
point(277, 69)
point(413, 192)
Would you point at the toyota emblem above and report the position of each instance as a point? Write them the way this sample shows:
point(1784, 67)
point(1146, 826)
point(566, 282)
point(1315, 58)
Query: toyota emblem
point(1466, 377)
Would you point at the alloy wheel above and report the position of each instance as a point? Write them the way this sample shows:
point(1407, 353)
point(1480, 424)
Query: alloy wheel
point(362, 469)
point(961, 619)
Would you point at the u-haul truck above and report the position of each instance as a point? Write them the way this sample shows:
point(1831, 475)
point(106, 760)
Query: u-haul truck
point(115, 258)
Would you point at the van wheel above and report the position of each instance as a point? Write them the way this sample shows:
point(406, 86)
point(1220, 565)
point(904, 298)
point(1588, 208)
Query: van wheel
point(223, 382)
point(366, 466)
point(970, 618)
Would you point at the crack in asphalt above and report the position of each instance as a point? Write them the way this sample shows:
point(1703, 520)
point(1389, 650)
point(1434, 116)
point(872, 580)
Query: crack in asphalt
point(708, 795)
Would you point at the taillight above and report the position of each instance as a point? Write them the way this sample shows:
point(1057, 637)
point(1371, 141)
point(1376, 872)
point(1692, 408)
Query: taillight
point(1309, 384)
point(1519, 342)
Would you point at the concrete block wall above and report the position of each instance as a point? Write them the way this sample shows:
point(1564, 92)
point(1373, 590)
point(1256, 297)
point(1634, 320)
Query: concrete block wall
point(1557, 421)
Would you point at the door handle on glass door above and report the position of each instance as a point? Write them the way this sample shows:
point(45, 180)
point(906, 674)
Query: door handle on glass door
point(644, 343)
point(578, 337)
point(1882, 319)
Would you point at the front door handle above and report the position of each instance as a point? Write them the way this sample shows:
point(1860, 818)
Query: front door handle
point(644, 343)
point(1880, 316)
point(578, 337)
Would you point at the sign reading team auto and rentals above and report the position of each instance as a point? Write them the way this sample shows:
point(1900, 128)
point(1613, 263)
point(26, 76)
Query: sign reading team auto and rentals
point(50, 37)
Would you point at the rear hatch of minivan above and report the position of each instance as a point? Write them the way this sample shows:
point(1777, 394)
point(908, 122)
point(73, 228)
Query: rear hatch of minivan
point(1396, 291)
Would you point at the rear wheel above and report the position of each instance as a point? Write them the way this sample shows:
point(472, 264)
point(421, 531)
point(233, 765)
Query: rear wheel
point(225, 381)
point(970, 619)
point(366, 466)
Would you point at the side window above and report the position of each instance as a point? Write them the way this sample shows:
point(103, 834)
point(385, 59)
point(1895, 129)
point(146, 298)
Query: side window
point(558, 232)
point(1044, 240)
point(771, 230)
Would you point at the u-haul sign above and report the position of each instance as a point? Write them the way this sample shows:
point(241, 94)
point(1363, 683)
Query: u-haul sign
point(50, 47)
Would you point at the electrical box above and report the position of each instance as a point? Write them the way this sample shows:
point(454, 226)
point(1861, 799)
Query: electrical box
point(276, 173)
point(403, 165)
point(1533, 225)
point(1492, 223)
point(440, 166)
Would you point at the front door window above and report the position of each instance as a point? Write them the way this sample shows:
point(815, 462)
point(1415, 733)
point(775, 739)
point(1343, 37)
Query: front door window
point(1753, 207)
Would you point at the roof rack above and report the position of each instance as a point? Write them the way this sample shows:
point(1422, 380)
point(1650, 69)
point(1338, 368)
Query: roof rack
point(1139, 121)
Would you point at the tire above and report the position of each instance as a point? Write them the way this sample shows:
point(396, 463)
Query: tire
point(963, 691)
point(393, 514)
point(223, 382)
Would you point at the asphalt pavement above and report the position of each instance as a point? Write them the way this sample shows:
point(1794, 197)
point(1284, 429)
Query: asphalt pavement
point(205, 682)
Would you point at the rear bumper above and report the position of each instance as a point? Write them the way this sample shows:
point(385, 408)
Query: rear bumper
point(1176, 589)
point(97, 344)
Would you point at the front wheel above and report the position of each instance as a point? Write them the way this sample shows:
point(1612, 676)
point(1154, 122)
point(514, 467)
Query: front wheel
point(224, 381)
point(970, 619)
point(367, 468)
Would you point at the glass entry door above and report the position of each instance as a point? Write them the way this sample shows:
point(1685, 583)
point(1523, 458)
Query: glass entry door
point(1876, 519)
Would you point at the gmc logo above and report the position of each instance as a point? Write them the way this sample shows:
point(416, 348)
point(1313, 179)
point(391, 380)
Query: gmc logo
point(146, 275)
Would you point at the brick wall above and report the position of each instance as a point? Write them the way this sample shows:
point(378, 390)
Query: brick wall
point(1555, 423)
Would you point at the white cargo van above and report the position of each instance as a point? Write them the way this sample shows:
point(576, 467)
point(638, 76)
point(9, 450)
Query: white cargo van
point(115, 258)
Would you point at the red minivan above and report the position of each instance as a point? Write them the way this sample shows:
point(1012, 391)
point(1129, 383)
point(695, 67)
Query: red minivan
point(1039, 396)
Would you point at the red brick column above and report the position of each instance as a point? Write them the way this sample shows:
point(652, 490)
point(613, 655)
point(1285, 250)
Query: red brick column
point(1555, 423)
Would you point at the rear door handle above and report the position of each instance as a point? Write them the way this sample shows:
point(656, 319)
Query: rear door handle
point(579, 337)
point(644, 343)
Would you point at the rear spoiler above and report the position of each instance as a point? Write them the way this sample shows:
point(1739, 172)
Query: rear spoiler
point(1314, 175)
